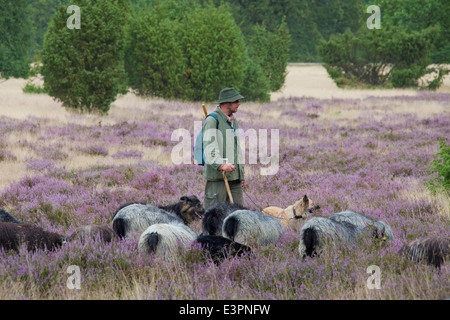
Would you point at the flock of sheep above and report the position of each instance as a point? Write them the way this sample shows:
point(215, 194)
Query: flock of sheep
point(227, 230)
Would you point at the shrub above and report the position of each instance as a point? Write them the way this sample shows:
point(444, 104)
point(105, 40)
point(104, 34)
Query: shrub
point(380, 56)
point(271, 51)
point(153, 60)
point(83, 68)
point(177, 49)
point(440, 166)
point(256, 86)
point(32, 88)
point(15, 38)
point(215, 53)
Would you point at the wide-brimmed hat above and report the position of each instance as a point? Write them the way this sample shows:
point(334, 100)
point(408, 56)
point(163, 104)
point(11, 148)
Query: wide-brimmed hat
point(228, 95)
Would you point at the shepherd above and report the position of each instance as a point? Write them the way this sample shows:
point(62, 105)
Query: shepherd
point(223, 168)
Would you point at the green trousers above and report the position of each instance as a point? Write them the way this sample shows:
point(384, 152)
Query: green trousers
point(216, 191)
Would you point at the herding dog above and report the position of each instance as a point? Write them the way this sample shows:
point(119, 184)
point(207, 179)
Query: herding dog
point(6, 217)
point(213, 219)
point(188, 209)
point(138, 216)
point(433, 250)
point(220, 248)
point(13, 235)
point(291, 215)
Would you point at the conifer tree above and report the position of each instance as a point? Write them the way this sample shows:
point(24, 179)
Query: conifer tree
point(83, 68)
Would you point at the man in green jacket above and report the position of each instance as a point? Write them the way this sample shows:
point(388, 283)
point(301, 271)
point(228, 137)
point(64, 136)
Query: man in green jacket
point(222, 151)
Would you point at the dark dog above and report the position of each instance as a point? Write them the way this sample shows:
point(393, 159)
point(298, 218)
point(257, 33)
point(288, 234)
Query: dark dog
point(6, 217)
point(220, 248)
point(214, 217)
point(13, 235)
point(188, 209)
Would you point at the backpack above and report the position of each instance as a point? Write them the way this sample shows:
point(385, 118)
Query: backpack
point(199, 153)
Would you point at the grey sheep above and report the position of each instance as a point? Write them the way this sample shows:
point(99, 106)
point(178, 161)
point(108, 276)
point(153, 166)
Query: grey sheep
point(247, 226)
point(163, 239)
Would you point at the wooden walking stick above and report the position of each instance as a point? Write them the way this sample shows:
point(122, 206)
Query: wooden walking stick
point(227, 186)
point(204, 110)
point(224, 175)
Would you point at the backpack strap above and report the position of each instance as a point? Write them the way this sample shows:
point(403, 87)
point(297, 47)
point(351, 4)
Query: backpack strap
point(215, 116)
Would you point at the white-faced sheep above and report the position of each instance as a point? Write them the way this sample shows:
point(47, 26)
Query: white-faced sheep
point(6, 217)
point(381, 229)
point(248, 227)
point(137, 217)
point(101, 232)
point(163, 239)
point(293, 214)
point(434, 250)
point(13, 235)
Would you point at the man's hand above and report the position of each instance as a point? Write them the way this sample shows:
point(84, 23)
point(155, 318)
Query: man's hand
point(227, 167)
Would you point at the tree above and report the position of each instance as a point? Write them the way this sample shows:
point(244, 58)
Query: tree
point(270, 50)
point(256, 86)
point(214, 49)
point(378, 57)
point(15, 38)
point(154, 60)
point(41, 13)
point(417, 15)
point(83, 68)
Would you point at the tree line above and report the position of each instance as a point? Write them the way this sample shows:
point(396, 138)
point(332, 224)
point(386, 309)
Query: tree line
point(189, 49)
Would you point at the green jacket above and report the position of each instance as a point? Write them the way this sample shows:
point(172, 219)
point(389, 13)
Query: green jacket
point(219, 144)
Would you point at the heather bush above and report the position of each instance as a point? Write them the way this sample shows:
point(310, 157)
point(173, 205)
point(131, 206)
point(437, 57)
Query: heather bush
point(373, 157)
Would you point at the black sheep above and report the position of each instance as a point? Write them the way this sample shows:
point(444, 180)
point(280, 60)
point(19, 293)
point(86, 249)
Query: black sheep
point(13, 235)
point(220, 248)
point(214, 216)
point(433, 250)
point(101, 232)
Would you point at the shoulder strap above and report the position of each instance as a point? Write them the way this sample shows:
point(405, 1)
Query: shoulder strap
point(214, 115)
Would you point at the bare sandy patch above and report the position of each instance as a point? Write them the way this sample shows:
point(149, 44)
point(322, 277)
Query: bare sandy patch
point(312, 80)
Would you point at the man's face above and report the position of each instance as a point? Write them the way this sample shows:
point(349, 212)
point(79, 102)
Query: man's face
point(233, 106)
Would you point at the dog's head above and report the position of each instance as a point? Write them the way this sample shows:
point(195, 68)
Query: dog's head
point(191, 208)
point(303, 208)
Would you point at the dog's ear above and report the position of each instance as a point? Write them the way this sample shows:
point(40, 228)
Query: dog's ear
point(194, 199)
point(184, 198)
point(305, 199)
